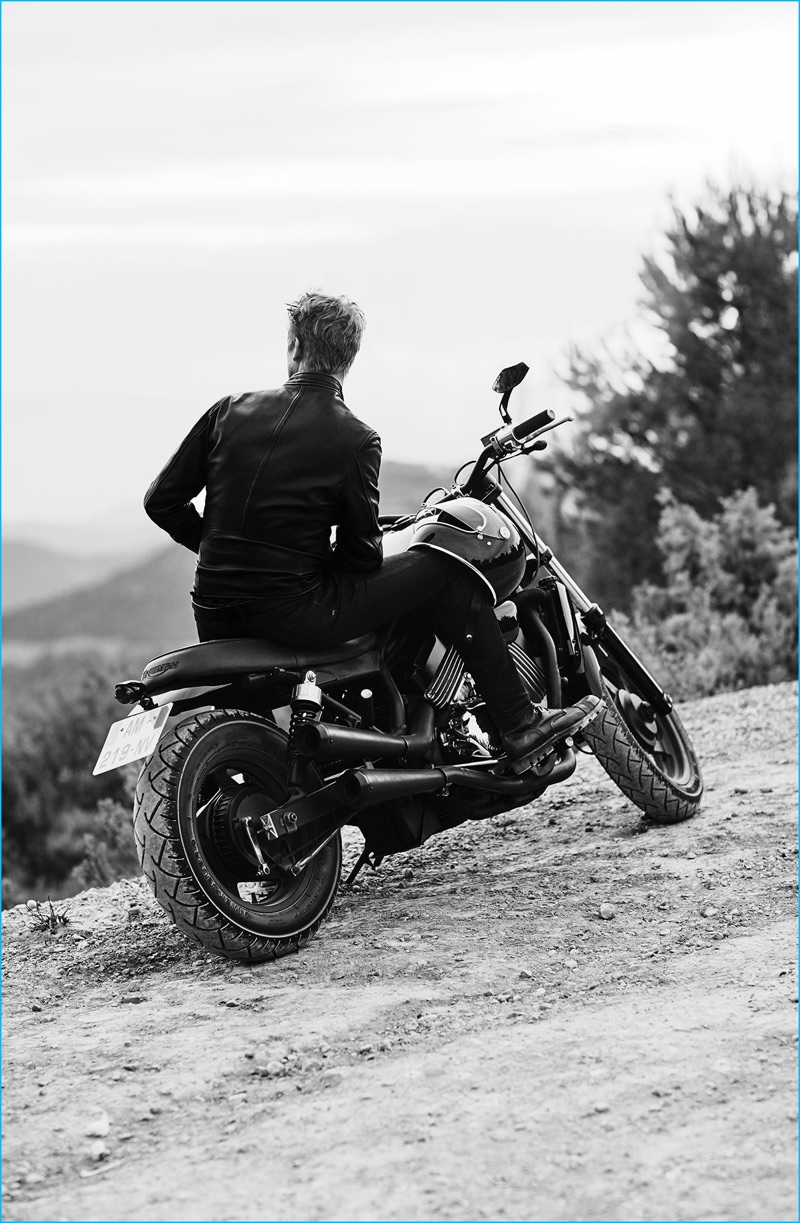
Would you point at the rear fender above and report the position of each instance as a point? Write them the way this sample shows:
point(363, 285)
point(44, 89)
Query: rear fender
point(213, 696)
point(186, 698)
point(183, 701)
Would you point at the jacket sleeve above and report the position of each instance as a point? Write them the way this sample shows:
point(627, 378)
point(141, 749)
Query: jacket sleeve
point(359, 545)
point(168, 500)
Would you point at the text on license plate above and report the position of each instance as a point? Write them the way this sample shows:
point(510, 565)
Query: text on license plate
point(132, 738)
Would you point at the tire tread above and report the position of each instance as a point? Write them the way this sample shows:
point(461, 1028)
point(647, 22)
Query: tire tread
point(166, 867)
point(634, 773)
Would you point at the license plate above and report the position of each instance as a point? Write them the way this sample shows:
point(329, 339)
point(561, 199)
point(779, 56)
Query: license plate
point(132, 738)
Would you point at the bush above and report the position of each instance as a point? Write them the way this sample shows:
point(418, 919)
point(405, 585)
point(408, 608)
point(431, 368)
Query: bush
point(109, 849)
point(726, 616)
point(51, 801)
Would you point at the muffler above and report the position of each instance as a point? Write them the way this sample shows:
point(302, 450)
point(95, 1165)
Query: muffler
point(324, 741)
point(365, 787)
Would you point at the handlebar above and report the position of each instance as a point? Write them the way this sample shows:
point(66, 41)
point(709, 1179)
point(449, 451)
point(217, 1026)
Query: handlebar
point(503, 443)
point(533, 423)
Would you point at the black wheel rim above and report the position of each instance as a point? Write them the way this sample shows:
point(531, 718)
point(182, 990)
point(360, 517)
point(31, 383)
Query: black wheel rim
point(231, 783)
point(659, 735)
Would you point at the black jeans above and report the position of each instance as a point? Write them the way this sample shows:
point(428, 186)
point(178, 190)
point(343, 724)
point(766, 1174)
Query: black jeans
point(345, 605)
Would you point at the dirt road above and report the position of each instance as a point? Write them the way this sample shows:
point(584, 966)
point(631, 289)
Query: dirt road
point(467, 1038)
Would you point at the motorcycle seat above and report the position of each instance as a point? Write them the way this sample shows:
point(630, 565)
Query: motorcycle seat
point(214, 662)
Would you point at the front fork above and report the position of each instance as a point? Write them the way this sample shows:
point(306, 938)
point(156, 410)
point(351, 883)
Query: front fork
point(593, 617)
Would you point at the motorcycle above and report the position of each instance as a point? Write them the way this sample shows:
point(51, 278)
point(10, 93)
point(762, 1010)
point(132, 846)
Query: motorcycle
point(258, 755)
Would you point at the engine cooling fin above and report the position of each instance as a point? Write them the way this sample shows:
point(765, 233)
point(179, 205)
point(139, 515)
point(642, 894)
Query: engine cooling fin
point(532, 674)
point(447, 680)
point(451, 671)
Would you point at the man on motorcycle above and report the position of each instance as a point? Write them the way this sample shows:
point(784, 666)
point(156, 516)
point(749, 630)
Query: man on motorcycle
point(280, 469)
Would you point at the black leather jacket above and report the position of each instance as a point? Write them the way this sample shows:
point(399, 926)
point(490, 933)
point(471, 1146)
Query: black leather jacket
point(280, 468)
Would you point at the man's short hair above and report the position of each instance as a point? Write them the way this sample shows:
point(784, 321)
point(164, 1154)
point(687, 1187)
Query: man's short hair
point(329, 329)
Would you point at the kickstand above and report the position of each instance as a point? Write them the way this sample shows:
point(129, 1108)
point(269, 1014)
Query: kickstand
point(367, 859)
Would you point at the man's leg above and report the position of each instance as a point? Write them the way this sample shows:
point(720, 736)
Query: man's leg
point(348, 605)
point(464, 617)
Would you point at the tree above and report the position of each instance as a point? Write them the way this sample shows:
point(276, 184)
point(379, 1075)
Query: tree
point(719, 412)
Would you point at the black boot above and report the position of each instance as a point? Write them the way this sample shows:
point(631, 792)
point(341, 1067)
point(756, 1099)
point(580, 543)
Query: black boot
point(526, 745)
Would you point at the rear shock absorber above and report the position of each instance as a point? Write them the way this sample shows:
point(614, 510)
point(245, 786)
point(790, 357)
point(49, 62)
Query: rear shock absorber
point(306, 707)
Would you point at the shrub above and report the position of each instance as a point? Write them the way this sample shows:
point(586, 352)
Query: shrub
point(109, 849)
point(50, 798)
point(726, 616)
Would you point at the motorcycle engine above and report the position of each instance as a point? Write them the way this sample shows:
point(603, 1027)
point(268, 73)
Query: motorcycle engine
point(451, 683)
point(470, 733)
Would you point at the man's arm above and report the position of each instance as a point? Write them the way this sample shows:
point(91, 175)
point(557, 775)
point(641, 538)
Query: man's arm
point(359, 545)
point(168, 500)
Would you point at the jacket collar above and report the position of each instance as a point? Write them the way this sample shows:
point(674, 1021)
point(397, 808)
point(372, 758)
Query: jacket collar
point(316, 378)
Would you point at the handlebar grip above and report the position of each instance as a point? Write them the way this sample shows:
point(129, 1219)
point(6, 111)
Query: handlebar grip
point(533, 423)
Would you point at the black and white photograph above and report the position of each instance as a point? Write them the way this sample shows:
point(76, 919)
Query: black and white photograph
point(399, 611)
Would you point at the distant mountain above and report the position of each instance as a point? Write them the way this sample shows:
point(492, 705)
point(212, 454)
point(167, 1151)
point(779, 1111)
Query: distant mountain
point(147, 605)
point(32, 574)
point(403, 485)
point(144, 605)
point(124, 531)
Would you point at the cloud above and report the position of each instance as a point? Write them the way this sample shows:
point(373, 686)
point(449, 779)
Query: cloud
point(518, 170)
point(223, 234)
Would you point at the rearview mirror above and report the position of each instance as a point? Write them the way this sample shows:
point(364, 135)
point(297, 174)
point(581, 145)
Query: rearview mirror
point(507, 379)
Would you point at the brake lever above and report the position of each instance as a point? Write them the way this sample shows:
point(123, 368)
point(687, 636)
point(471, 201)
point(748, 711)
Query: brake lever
point(554, 425)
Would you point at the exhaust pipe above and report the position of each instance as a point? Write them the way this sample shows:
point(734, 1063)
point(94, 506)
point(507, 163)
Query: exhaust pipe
point(524, 784)
point(324, 741)
point(366, 787)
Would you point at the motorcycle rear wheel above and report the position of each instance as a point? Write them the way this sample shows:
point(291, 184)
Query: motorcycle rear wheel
point(648, 755)
point(196, 856)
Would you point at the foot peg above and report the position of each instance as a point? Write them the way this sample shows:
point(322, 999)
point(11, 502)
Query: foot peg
point(534, 744)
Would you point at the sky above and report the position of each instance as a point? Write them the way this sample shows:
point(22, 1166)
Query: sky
point(484, 179)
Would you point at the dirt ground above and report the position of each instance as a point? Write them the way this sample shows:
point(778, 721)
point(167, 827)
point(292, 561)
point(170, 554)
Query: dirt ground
point(467, 1038)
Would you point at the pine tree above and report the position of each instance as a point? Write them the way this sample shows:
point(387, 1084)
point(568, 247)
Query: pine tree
point(719, 413)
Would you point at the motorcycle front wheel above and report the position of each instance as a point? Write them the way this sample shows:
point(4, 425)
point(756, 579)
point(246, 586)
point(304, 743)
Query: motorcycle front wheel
point(648, 755)
point(208, 772)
